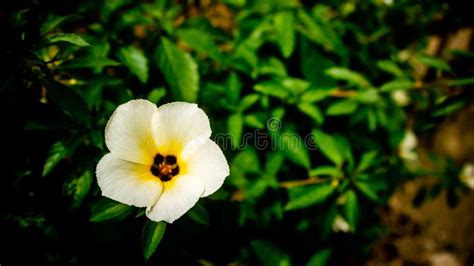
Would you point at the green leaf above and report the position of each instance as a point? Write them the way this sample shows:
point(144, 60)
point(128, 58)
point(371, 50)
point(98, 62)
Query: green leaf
point(135, 60)
point(269, 254)
point(272, 88)
point(69, 101)
point(312, 111)
point(325, 170)
point(106, 209)
point(79, 187)
point(433, 62)
point(248, 101)
point(313, 64)
point(199, 214)
point(60, 150)
point(156, 94)
point(235, 125)
point(312, 96)
point(294, 147)
point(179, 70)
point(366, 160)
point(304, 196)
point(320, 34)
point(320, 258)
point(67, 37)
point(461, 82)
point(367, 190)
point(271, 66)
point(90, 61)
point(234, 86)
point(328, 147)
point(152, 235)
point(369, 96)
point(390, 67)
point(343, 107)
point(285, 32)
point(347, 75)
point(351, 209)
point(202, 42)
point(54, 21)
point(398, 84)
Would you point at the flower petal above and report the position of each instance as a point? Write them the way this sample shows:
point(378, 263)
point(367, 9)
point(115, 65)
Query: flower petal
point(179, 195)
point(128, 134)
point(205, 160)
point(177, 124)
point(126, 182)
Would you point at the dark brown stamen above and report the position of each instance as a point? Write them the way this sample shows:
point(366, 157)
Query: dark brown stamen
point(165, 168)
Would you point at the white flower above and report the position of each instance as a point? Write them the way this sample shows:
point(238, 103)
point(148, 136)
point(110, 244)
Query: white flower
point(160, 158)
point(400, 97)
point(407, 148)
point(467, 175)
point(340, 225)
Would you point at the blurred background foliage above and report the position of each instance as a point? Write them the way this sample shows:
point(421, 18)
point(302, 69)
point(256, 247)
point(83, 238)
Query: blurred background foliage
point(366, 82)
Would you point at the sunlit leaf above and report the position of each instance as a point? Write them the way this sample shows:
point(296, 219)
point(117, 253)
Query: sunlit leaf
point(179, 69)
point(67, 37)
point(135, 60)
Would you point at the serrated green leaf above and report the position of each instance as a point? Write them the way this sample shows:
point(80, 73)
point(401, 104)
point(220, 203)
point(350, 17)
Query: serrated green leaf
point(179, 70)
point(199, 214)
point(135, 60)
point(72, 104)
point(235, 125)
point(347, 75)
point(67, 37)
point(285, 32)
point(433, 62)
point(152, 235)
point(305, 196)
point(312, 111)
point(328, 147)
point(343, 107)
point(58, 151)
point(351, 209)
point(398, 84)
point(269, 254)
point(320, 258)
point(106, 209)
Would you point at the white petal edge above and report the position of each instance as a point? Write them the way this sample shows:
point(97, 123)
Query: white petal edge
point(127, 182)
point(205, 160)
point(128, 133)
point(178, 197)
point(177, 124)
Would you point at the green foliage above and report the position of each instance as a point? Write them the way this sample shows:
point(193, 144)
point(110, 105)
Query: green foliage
point(309, 102)
point(152, 235)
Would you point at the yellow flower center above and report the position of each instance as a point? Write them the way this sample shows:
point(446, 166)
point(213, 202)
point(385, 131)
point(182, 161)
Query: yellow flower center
point(165, 167)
